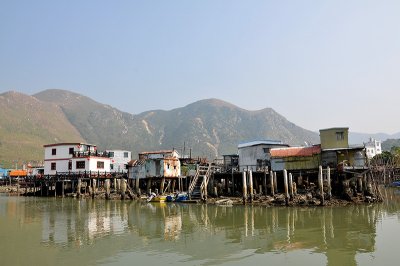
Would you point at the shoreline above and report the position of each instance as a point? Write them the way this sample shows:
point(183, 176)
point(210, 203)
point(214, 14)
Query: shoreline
point(300, 200)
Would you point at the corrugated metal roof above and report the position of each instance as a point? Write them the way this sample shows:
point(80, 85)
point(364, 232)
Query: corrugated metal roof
point(68, 144)
point(261, 142)
point(157, 152)
point(295, 151)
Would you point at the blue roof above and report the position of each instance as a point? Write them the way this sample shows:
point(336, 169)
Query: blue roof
point(261, 142)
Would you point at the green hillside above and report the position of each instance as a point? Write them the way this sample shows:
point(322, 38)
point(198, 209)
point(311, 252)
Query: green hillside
point(26, 124)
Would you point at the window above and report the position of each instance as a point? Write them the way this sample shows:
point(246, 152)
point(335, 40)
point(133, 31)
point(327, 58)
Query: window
point(111, 154)
point(126, 154)
point(80, 164)
point(111, 166)
point(53, 151)
point(71, 150)
point(340, 135)
point(266, 150)
point(100, 165)
point(53, 166)
point(69, 165)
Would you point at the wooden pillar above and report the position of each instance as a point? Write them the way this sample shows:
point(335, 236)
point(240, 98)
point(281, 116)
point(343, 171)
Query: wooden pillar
point(291, 185)
point(285, 182)
point(162, 184)
point(359, 184)
point(244, 187)
point(137, 182)
point(321, 185)
point(173, 185)
point(148, 185)
point(62, 188)
point(123, 188)
point(78, 188)
point(115, 185)
point(328, 177)
point(275, 183)
point(264, 185)
point(271, 182)
point(251, 185)
point(107, 188)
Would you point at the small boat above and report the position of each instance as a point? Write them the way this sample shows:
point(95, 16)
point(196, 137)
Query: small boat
point(395, 184)
point(156, 198)
point(178, 197)
point(181, 197)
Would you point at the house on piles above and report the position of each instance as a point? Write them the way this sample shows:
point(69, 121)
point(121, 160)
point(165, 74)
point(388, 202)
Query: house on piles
point(154, 168)
point(155, 164)
point(255, 155)
point(75, 158)
point(119, 160)
point(338, 154)
point(296, 158)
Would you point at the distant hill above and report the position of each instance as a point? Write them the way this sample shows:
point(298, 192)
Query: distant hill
point(26, 124)
point(389, 143)
point(208, 128)
point(359, 138)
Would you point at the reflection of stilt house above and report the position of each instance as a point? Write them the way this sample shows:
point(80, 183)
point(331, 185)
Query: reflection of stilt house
point(156, 167)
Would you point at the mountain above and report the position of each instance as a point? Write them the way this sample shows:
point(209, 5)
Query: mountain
point(359, 138)
point(26, 124)
point(207, 128)
point(389, 143)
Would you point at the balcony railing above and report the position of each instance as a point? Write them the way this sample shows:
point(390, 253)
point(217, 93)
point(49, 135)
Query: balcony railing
point(78, 154)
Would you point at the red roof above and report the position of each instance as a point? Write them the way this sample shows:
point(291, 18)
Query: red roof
point(295, 151)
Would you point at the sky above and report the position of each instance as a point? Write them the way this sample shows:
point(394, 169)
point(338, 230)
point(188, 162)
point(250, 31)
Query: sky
point(320, 64)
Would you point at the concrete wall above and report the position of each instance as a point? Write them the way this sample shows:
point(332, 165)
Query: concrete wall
point(330, 138)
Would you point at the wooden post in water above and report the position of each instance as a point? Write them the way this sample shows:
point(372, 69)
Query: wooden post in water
point(285, 182)
point(115, 185)
point(107, 188)
point(173, 185)
point(271, 182)
point(264, 186)
point(291, 185)
point(162, 185)
point(359, 184)
point(93, 188)
point(149, 185)
point(321, 185)
point(328, 177)
point(78, 189)
point(275, 183)
point(123, 188)
point(244, 187)
point(62, 188)
point(251, 185)
point(137, 180)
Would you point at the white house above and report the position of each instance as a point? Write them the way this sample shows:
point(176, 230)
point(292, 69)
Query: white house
point(74, 158)
point(156, 164)
point(255, 155)
point(119, 160)
point(373, 147)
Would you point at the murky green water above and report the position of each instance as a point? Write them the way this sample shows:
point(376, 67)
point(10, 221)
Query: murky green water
point(49, 231)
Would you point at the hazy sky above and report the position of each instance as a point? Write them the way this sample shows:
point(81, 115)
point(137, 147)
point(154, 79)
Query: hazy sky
point(319, 63)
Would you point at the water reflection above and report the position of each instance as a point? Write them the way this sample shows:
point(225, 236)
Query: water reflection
point(202, 233)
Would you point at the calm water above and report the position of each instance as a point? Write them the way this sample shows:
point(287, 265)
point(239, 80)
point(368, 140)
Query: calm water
point(38, 231)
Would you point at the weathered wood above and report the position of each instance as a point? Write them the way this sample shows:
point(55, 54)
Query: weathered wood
point(107, 188)
point(264, 186)
point(328, 177)
point(271, 181)
point(123, 188)
point(275, 183)
point(321, 185)
point(244, 184)
point(251, 185)
point(285, 182)
point(291, 185)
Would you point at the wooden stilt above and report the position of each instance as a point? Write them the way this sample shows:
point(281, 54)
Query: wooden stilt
point(244, 187)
